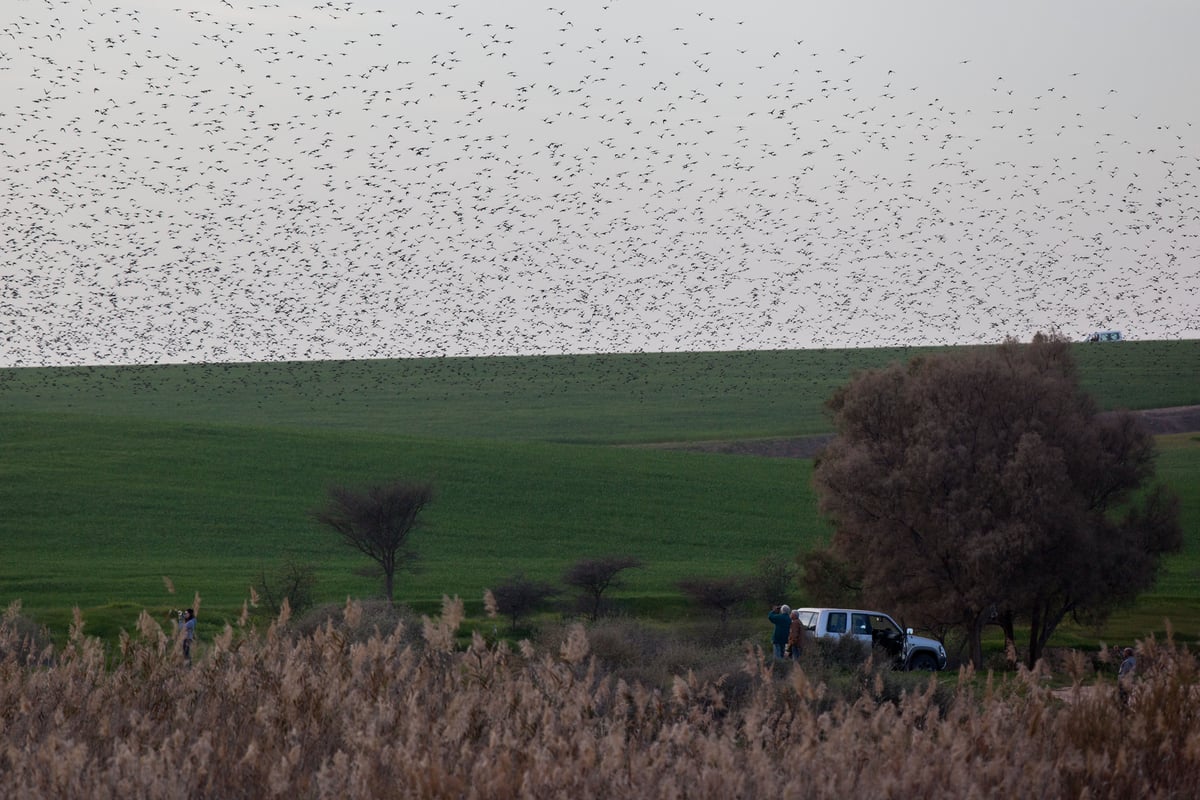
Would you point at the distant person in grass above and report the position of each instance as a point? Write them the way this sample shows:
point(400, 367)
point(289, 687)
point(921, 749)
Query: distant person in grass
point(1125, 674)
point(795, 640)
point(187, 625)
point(781, 618)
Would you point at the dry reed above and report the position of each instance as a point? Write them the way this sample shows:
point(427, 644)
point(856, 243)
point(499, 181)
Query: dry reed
point(333, 713)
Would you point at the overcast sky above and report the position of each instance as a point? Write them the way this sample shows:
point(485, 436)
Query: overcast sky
point(230, 181)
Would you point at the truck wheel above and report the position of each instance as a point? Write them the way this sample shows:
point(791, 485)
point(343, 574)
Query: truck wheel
point(923, 662)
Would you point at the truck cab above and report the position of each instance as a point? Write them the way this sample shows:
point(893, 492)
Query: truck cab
point(876, 629)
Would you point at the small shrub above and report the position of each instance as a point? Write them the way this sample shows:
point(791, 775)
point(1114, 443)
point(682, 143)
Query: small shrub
point(775, 579)
point(638, 652)
point(720, 594)
point(23, 640)
point(372, 618)
point(843, 652)
point(517, 597)
point(292, 581)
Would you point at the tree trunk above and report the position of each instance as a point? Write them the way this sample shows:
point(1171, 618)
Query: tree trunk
point(975, 641)
point(1048, 619)
point(388, 580)
point(1035, 636)
point(1007, 624)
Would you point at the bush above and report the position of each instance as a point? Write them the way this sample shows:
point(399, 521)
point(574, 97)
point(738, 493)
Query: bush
point(720, 595)
point(775, 579)
point(367, 619)
point(24, 641)
point(638, 652)
point(291, 581)
point(518, 596)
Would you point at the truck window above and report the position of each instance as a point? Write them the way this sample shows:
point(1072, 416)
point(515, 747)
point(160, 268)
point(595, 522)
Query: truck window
point(836, 622)
point(808, 619)
point(861, 624)
point(884, 624)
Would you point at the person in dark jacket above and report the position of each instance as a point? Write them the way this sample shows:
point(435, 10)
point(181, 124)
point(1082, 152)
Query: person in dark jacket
point(1125, 674)
point(781, 618)
point(187, 628)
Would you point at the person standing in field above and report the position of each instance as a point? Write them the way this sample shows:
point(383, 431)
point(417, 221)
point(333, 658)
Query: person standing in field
point(187, 625)
point(1125, 674)
point(795, 640)
point(781, 618)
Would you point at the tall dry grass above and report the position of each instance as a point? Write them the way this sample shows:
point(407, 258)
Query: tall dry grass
point(338, 712)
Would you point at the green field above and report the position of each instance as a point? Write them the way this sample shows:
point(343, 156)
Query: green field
point(599, 399)
point(112, 478)
point(100, 510)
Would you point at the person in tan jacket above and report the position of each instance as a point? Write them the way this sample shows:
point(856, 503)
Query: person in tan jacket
point(795, 640)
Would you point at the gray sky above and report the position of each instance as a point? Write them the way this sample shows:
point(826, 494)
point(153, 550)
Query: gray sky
point(213, 181)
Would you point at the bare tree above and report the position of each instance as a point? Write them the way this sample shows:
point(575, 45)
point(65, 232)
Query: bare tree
point(292, 581)
point(721, 595)
point(983, 488)
point(774, 578)
point(519, 596)
point(377, 521)
point(594, 576)
point(829, 579)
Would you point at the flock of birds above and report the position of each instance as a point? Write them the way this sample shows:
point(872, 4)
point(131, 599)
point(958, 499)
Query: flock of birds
point(293, 181)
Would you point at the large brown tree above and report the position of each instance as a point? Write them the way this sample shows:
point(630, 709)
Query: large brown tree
point(377, 521)
point(984, 488)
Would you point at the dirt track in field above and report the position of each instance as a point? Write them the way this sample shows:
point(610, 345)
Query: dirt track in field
point(1181, 419)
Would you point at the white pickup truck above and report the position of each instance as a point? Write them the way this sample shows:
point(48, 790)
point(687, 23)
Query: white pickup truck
point(876, 629)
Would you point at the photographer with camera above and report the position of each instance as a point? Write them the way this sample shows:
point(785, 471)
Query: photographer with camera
point(187, 624)
point(781, 617)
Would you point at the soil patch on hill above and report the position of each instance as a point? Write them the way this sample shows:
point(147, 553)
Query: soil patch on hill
point(1157, 421)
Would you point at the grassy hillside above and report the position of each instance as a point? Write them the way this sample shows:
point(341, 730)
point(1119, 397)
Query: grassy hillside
point(98, 511)
point(1176, 596)
point(587, 398)
point(111, 478)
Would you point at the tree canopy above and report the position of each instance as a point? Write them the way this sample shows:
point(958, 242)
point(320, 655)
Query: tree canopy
point(720, 594)
point(377, 521)
point(985, 488)
point(518, 596)
point(592, 577)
